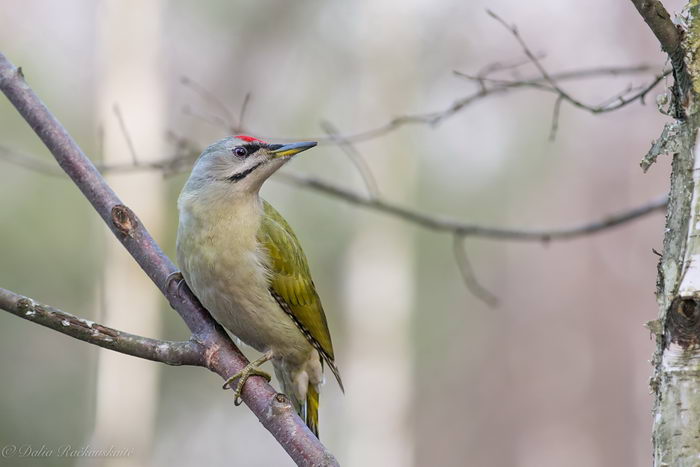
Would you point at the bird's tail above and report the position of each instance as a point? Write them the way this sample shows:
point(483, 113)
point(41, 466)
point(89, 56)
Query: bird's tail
point(312, 409)
point(308, 409)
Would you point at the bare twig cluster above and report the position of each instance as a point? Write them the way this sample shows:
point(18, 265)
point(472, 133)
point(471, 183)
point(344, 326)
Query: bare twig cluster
point(487, 87)
point(550, 83)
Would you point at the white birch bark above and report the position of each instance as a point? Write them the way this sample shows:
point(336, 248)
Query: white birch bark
point(676, 379)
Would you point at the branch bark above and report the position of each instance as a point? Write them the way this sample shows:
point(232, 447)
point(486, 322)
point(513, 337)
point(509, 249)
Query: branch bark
point(221, 355)
point(670, 38)
point(188, 352)
point(659, 21)
point(466, 229)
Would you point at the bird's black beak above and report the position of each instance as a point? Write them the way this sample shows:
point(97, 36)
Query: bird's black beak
point(289, 150)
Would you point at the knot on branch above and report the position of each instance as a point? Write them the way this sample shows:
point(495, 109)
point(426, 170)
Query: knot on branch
point(26, 305)
point(212, 356)
point(124, 220)
point(683, 323)
point(280, 404)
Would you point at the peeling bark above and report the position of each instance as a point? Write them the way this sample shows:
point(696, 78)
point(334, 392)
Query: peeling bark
point(676, 380)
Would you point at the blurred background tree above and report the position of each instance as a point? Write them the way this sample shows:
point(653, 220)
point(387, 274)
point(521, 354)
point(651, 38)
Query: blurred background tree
point(556, 375)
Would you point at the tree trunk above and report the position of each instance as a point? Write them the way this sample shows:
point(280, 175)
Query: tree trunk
point(676, 379)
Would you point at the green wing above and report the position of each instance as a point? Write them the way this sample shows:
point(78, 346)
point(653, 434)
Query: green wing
point(290, 282)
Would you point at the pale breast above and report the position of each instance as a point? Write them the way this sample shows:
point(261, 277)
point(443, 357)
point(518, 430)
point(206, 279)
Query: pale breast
point(221, 262)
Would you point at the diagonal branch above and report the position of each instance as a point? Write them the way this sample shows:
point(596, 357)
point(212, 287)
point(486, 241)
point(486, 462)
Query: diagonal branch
point(670, 37)
point(273, 410)
point(188, 352)
point(468, 275)
point(467, 229)
point(355, 157)
point(659, 21)
point(614, 103)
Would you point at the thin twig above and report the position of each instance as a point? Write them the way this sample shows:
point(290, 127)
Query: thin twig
point(555, 119)
point(125, 133)
point(172, 353)
point(535, 61)
point(613, 103)
point(468, 276)
point(355, 157)
point(498, 67)
point(244, 108)
point(571, 75)
point(210, 97)
point(30, 162)
point(100, 142)
point(213, 120)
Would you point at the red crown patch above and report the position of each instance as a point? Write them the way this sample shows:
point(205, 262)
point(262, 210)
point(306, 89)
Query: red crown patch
point(249, 139)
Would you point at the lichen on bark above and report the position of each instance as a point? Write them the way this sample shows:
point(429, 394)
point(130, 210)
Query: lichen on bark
point(676, 379)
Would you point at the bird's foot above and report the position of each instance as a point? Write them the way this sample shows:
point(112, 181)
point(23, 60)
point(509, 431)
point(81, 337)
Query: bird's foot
point(242, 376)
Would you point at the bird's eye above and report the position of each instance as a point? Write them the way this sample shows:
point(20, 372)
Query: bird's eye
point(240, 151)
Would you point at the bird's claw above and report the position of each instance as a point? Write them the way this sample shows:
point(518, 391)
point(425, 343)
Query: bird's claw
point(242, 377)
point(251, 369)
point(175, 277)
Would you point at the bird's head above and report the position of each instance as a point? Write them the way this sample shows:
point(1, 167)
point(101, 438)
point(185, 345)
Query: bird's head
point(241, 163)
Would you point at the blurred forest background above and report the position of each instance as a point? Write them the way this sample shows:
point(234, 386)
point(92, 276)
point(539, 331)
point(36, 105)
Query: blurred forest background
point(556, 375)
